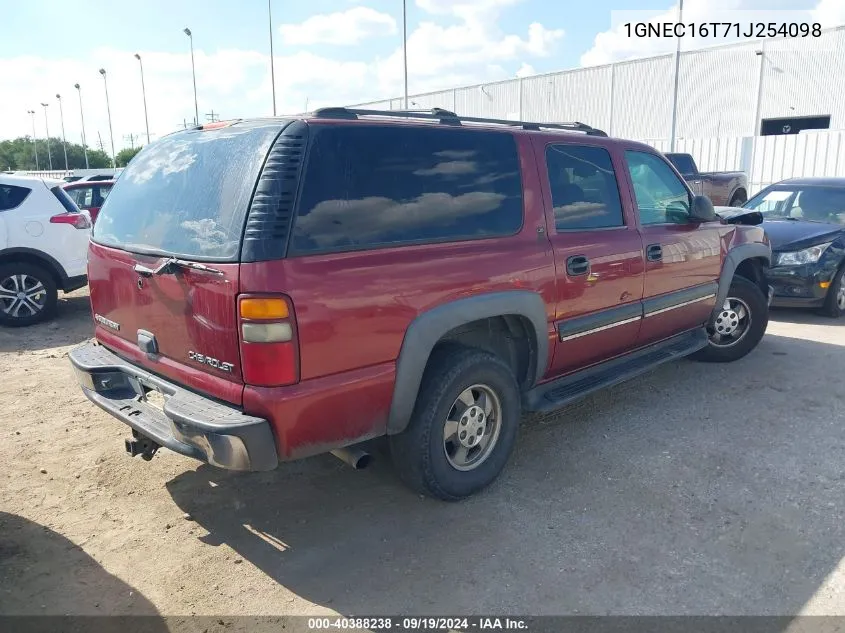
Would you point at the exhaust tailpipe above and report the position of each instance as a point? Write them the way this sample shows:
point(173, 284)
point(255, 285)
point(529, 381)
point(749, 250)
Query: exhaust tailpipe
point(354, 456)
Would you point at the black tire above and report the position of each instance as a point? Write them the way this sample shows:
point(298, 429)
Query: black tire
point(758, 307)
point(738, 199)
point(832, 307)
point(418, 452)
point(12, 314)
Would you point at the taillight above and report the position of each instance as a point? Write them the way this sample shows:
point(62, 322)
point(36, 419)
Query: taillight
point(269, 350)
point(76, 220)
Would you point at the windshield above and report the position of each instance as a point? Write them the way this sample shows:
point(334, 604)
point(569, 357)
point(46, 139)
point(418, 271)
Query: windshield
point(810, 204)
point(188, 193)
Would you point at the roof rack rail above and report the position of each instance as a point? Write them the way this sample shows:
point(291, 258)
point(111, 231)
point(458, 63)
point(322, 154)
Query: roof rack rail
point(448, 117)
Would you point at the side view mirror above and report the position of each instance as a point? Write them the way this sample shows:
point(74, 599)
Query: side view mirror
point(702, 210)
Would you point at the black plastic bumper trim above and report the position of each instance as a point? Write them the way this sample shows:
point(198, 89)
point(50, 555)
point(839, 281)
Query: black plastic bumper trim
point(74, 283)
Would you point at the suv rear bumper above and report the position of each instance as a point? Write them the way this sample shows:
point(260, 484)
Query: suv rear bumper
point(188, 423)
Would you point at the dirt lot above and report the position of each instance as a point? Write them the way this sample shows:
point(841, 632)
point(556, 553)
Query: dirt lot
point(701, 489)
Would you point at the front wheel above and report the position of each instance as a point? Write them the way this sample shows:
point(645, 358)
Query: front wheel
point(834, 303)
point(463, 427)
point(737, 327)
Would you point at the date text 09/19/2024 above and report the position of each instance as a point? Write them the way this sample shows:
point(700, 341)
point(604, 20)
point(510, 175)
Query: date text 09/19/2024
point(418, 623)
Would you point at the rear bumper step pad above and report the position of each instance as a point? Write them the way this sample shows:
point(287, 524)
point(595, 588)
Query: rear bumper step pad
point(188, 423)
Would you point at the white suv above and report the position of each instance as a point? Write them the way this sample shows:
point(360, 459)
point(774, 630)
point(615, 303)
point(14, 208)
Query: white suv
point(43, 248)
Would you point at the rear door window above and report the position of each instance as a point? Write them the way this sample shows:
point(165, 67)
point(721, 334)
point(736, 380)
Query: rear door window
point(188, 194)
point(583, 187)
point(380, 186)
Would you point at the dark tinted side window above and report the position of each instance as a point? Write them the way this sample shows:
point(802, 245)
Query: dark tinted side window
point(65, 200)
point(682, 162)
point(372, 186)
point(584, 190)
point(11, 196)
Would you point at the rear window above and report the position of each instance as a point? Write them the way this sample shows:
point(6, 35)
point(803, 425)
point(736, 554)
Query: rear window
point(379, 186)
point(682, 162)
point(64, 199)
point(11, 196)
point(188, 193)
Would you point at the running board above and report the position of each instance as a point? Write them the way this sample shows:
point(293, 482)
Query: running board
point(557, 393)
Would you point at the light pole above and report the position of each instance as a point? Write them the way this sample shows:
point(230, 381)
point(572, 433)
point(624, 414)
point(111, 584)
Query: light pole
point(47, 129)
point(31, 113)
point(108, 110)
point(405, 46)
point(144, 96)
point(187, 32)
point(677, 73)
point(757, 123)
point(62, 119)
point(82, 116)
point(272, 67)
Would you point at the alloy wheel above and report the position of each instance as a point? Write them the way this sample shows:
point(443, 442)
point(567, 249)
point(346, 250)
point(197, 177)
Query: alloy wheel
point(731, 324)
point(840, 295)
point(22, 295)
point(472, 426)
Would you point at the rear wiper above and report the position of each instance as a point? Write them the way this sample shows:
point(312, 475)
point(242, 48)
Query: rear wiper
point(171, 265)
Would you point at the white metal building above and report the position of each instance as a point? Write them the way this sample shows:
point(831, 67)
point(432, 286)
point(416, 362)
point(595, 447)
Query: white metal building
point(718, 92)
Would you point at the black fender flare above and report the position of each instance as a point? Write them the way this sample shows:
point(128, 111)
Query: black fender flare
point(49, 262)
point(428, 328)
point(734, 258)
point(734, 190)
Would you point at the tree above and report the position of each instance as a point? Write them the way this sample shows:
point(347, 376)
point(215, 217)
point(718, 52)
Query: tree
point(125, 155)
point(18, 155)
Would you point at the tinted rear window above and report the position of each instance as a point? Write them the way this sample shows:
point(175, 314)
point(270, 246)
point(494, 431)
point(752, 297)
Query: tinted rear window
point(682, 162)
point(583, 185)
point(11, 196)
point(187, 194)
point(64, 199)
point(374, 186)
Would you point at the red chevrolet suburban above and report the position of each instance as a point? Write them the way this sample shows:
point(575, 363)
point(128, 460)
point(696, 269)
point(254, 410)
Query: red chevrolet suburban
point(270, 289)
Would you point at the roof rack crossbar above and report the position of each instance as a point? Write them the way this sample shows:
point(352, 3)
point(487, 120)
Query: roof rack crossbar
point(450, 118)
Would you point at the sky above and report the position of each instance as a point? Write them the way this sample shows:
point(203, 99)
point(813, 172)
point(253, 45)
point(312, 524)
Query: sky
point(326, 52)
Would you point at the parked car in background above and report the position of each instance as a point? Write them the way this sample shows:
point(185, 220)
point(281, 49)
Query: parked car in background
point(89, 195)
point(418, 275)
point(805, 221)
point(724, 188)
point(93, 175)
point(43, 248)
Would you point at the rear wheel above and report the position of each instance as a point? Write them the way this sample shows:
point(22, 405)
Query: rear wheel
point(834, 303)
point(28, 294)
point(738, 199)
point(463, 427)
point(738, 325)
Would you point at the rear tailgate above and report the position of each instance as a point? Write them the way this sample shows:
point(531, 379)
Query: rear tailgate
point(190, 314)
point(184, 199)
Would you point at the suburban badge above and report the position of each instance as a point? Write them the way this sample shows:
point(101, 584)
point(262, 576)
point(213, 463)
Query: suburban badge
point(114, 325)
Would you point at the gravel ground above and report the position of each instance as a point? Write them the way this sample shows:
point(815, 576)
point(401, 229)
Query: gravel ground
point(697, 489)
